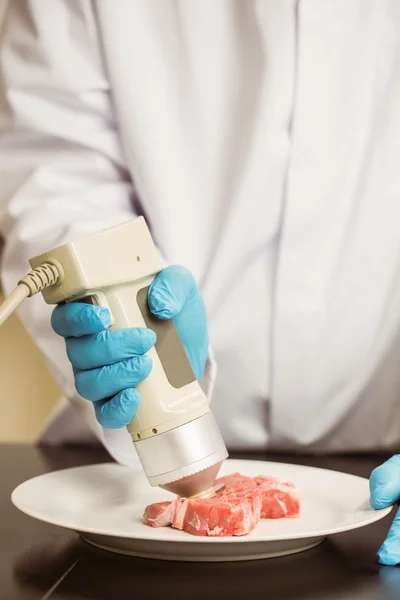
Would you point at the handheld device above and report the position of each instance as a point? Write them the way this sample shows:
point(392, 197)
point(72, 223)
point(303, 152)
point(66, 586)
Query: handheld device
point(174, 432)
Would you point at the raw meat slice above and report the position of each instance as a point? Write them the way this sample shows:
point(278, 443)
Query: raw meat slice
point(267, 479)
point(159, 514)
point(278, 499)
point(236, 514)
point(236, 483)
point(235, 510)
point(180, 509)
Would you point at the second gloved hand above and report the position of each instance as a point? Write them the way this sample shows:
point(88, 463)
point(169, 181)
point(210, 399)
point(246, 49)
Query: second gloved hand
point(384, 486)
point(108, 365)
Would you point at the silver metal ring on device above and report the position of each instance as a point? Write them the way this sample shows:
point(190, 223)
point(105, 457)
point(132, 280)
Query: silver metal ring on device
point(182, 451)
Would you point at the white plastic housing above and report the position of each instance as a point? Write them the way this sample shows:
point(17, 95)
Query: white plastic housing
point(114, 268)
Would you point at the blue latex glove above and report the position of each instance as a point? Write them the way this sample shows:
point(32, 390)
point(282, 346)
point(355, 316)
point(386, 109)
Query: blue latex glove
point(384, 486)
point(107, 365)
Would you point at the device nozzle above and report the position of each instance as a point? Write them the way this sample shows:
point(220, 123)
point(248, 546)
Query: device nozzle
point(198, 485)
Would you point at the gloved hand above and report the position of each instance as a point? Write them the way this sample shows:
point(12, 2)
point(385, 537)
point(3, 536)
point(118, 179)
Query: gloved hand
point(107, 365)
point(384, 486)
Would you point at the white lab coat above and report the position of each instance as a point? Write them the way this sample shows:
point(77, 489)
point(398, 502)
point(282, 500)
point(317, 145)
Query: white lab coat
point(261, 140)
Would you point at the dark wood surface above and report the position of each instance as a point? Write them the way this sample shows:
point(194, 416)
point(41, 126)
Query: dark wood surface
point(39, 561)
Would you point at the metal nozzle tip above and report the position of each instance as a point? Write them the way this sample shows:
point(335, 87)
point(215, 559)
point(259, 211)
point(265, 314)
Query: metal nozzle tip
point(210, 492)
point(196, 485)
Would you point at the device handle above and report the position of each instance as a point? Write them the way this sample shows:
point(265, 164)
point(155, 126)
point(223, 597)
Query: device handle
point(171, 395)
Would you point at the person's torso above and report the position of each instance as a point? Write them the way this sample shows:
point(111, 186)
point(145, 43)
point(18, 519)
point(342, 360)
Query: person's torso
point(264, 142)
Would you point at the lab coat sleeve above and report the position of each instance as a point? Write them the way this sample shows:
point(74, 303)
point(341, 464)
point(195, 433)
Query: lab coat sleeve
point(62, 170)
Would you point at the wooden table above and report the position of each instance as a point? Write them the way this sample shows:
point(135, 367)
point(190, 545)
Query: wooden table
point(39, 561)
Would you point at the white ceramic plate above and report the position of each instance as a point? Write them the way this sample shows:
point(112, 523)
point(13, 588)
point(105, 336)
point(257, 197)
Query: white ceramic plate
point(105, 503)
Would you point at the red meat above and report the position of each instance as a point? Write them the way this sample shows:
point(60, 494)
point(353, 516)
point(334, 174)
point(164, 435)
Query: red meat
point(266, 479)
point(235, 510)
point(159, 514)
point(233, 514)
point(236, 483)
point(279, 500)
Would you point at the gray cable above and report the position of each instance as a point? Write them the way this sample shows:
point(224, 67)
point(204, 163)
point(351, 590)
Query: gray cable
point(11, 303)
point(44, 276)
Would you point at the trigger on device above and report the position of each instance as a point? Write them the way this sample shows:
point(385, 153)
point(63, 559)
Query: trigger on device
point(97, 299)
